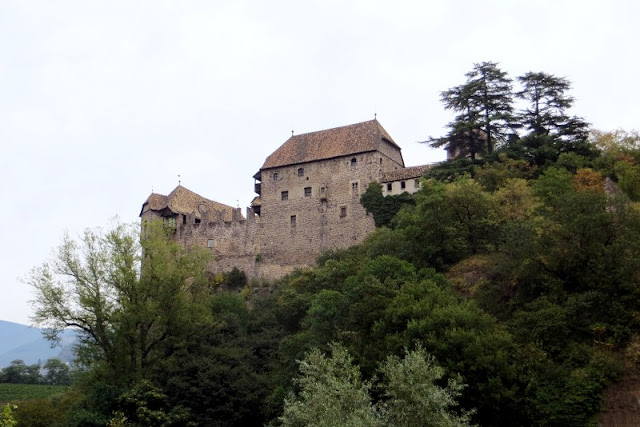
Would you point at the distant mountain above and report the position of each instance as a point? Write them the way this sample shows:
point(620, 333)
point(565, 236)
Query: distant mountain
point(28, 344)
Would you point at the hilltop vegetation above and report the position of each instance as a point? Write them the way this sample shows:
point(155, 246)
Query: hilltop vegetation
point(504, 292)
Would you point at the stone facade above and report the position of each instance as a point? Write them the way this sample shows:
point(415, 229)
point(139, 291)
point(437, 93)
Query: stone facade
point(308, 202)
point(406, 180)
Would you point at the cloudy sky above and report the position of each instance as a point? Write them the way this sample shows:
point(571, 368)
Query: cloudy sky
point(101, 102)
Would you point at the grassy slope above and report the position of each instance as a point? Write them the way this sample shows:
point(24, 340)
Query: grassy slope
point(16, 392)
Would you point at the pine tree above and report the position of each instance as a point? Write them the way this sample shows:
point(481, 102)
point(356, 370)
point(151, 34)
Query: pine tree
point(484, 110)
point(551, 131)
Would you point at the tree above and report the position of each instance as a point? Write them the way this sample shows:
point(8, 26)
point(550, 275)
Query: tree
point(332, 392)
point(57, 372)
point(411, 395)
point(551, 130)
point(19, 373)
point(128, 312)
point(484, 110)
point(493, 97)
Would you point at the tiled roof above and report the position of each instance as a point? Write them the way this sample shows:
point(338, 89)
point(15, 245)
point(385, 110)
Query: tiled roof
point(404, 173)
point(157, 201)
point(184, 201)
point(330, 143)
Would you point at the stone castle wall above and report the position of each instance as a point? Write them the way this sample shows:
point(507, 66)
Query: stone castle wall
point(306, 209)
point(328, 215)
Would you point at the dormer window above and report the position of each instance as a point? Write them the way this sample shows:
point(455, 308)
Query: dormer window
point(300, 171)
point(354, 161)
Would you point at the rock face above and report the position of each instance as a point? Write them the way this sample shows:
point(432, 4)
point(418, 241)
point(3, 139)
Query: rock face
point(308, 202)
point(622, 402)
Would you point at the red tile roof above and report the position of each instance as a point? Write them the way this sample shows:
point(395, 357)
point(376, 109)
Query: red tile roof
point(330, 143)
point(184, 201)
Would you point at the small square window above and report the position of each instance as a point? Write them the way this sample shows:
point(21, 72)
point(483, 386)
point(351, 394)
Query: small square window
point(403, 184)
point(197, 221)
point(211, 243)
point(300, 171)
point(389, 186)
point(343, 211)
point(293, 221)
point(307, 192)
point(284, 195)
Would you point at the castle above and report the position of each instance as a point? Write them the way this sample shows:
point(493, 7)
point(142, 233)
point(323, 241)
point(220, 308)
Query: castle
point(308, 202)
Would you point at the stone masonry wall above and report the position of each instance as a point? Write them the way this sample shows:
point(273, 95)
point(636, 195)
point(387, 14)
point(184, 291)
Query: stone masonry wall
point(293, 232)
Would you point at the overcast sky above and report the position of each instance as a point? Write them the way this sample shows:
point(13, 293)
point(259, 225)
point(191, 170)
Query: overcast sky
point(101, 102)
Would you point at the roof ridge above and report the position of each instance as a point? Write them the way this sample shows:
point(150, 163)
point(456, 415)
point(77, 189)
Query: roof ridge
point(330, 143)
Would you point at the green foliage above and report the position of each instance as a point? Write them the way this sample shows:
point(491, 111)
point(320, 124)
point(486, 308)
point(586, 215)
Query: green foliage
point(147, 405)
point(332, 392)
point(16, 392)
point(383, 208)
point(6, 416)
point(57, 372)
point(453, 169)
point(411, 396)
point(235, 279)
point(19, 373)
point(484, 109)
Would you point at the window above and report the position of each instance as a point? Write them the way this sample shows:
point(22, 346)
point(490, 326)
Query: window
point(389, 186)
point(210, 243)
point(300, 171)
point(354, 161)
point(403, 184)
point(416, 183)
point(184, 219)
point(197, 221)
point(293, 221)
point(322, 190)
point(275, 176)
point(380, 160)
point(284, 195)
point(307, 191)
point(343, 211)
point(354, 187)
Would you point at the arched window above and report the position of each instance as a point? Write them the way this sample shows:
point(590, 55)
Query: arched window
point(300, 171)
point(354, 161)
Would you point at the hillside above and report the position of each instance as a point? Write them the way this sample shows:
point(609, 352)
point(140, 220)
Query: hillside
point(27, 343)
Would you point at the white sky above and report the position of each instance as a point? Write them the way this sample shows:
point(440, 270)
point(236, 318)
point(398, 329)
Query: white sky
point(101, 101)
